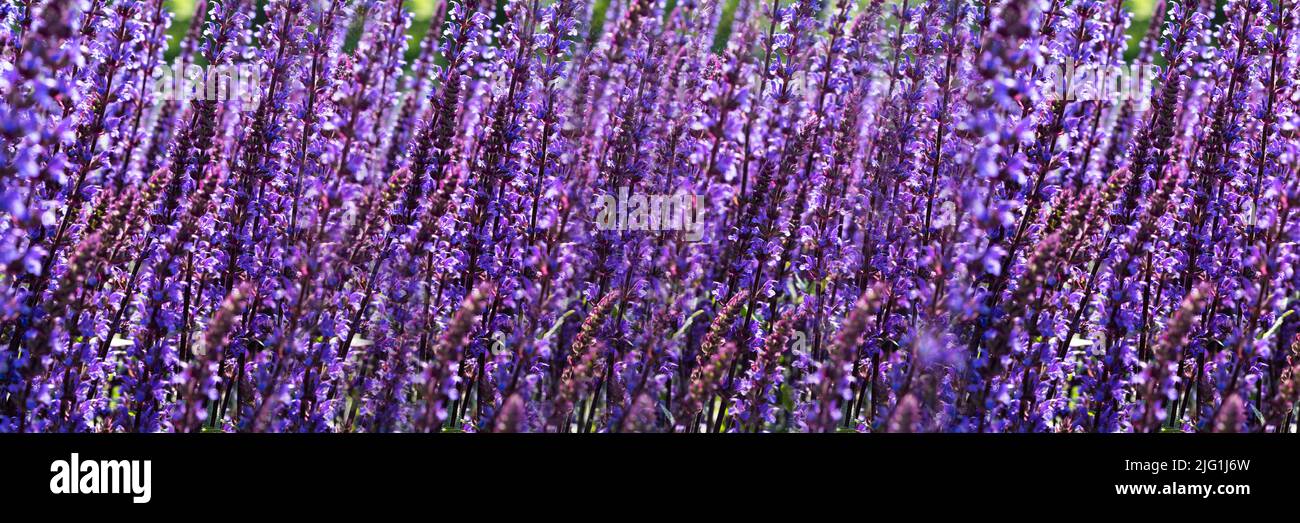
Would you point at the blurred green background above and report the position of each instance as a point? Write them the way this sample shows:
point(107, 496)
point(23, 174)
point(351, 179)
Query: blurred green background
point(423, 9)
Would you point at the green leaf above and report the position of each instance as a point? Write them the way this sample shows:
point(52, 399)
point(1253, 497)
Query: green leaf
point(667, 415)
point(559, 322)
point(1259, 415)
point(687, 324)
point(1276, 325)
point(786, 397)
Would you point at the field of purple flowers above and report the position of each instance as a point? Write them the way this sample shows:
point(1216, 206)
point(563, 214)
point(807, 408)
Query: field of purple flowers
point(903, 216)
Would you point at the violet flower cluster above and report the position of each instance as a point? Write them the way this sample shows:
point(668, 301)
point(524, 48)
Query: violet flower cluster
point(650, 216)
